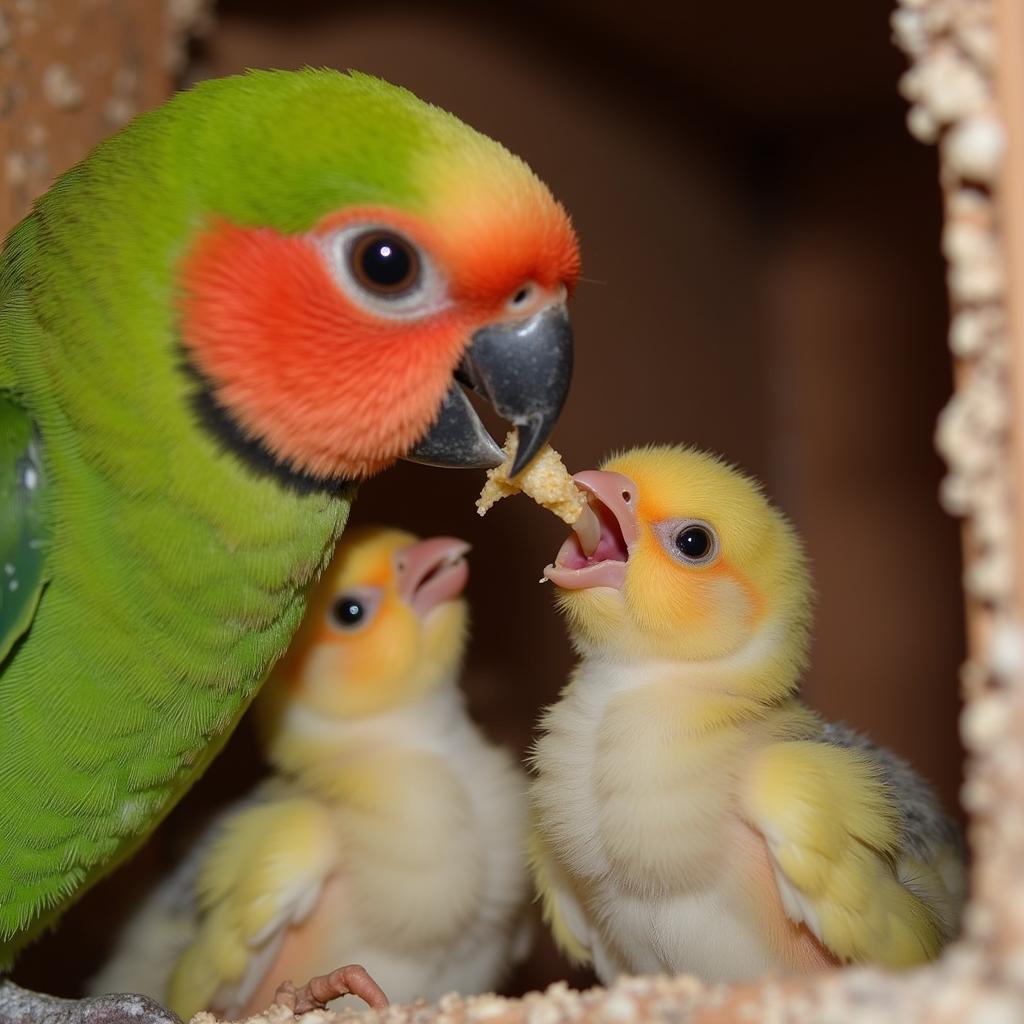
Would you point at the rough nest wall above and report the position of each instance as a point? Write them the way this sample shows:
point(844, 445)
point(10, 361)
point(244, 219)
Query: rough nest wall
point(966, 83)
point(73, 71)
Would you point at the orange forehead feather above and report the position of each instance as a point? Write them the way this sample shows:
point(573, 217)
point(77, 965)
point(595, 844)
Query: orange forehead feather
point(499, 225)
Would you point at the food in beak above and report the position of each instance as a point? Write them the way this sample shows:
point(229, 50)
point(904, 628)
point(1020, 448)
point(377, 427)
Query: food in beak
point(523, 370)
point(547, 481)
point(600, 561)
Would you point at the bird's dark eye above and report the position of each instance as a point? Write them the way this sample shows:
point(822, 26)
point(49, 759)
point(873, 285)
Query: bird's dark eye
point(696, 543)
point(347, 611)
point(384, 263)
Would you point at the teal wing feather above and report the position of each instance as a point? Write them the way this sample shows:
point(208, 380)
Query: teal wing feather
point(24, 524)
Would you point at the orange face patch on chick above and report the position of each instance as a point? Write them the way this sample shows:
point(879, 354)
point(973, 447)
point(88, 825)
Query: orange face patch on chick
point(691, 561)
point(385, 625)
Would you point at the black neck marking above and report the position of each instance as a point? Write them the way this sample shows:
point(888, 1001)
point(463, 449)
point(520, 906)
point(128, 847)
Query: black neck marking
point(258, 459)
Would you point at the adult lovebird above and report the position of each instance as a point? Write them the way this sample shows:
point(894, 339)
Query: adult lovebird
point(250, 297)
point(692, 814)
point(390, 831)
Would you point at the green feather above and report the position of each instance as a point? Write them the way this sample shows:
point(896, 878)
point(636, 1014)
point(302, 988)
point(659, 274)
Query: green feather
point(176, 572)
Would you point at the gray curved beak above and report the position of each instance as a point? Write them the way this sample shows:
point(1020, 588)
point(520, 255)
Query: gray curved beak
point(523, 369)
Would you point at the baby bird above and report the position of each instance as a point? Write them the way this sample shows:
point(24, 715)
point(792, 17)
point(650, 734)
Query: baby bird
point(691, 814)
point(391, 833)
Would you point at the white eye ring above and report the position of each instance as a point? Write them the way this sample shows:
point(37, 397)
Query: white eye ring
point(690, 541)
point(426, 294)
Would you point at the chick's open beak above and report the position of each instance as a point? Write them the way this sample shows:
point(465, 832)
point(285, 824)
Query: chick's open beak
point(583, 561)
point(523, 369)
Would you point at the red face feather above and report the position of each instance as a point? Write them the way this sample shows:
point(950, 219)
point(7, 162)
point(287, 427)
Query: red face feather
point(328, 386)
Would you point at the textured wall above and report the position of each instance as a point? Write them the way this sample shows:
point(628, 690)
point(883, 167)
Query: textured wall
point(71, 72)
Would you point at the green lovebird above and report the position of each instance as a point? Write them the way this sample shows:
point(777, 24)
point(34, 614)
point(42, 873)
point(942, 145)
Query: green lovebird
point(270, 287)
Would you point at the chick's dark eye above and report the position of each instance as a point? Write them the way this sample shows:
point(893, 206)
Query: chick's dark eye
point(347, 612)
point(694, 542)
point(385, 263)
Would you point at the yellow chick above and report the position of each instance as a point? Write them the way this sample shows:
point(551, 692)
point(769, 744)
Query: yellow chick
point(391, 832)
point(691, 814)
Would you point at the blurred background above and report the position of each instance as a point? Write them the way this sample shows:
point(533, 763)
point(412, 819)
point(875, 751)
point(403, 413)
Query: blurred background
point(761, 278)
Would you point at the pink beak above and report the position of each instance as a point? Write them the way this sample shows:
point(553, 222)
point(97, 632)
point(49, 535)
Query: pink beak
point(613, 498)
point(431, 572)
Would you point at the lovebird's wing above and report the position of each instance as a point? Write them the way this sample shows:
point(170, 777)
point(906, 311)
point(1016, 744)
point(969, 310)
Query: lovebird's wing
point(24, 526)
point(837, 840)
point(263, 874)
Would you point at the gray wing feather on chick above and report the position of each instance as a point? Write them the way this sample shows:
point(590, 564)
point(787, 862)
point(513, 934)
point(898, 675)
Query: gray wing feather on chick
point(928, 835)
point(926, 826)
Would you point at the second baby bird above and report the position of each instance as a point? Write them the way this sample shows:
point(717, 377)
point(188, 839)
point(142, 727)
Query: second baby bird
point(391, 832)
point(692, 814)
